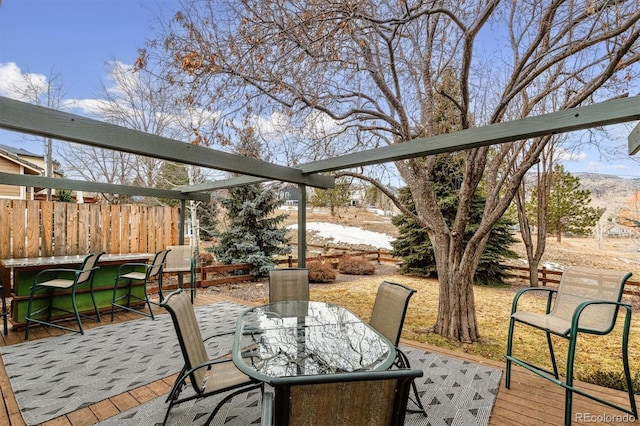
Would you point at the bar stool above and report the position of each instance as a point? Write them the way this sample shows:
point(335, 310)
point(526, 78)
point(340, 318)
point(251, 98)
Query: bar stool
point(180, 259)
point(52, 280)
point(138, 272)
point(5, 311)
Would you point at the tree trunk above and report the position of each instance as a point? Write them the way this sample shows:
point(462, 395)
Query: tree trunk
point(456, 307)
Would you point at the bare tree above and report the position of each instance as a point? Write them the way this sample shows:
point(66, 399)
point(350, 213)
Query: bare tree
point(49, 92)
point(373, 68)
point(535, 249)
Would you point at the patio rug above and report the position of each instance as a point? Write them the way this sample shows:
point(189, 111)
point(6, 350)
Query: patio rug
point(454, 392)
point(54, 376)
point(57, 375)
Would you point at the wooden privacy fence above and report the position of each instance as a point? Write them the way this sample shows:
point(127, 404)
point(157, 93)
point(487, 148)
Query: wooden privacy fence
point(49, 228)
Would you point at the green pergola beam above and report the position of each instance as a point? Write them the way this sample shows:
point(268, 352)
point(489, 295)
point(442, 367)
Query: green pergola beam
point(37, 120)
point(110, 188)
point(601, 114)
point(634, 140)
point(222, 184)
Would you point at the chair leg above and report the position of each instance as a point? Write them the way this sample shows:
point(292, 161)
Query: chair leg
point(403, 362)
point(27, 317)
point(507, 371)
point(192, 284)
point(75, 310)
point(225, 399)
point(129, 296)
point(146, 296)
point(4, 311)
point(95, 305)
point(553, 356)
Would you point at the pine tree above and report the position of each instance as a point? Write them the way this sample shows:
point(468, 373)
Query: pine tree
point(253, 235)
point(413, 244)
point(569, 210)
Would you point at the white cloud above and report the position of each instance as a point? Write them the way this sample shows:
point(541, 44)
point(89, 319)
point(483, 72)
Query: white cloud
point(565, 155)
point(16, 85)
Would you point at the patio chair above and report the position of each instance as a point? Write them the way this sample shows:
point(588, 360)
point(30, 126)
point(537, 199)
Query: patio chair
point(180, 259)
point(288, 284)
point(586, 302)
point(206, 376)
point(387, 317)
point(51, 281)
point(5, 311)
point(366, 398)
point(138, 272)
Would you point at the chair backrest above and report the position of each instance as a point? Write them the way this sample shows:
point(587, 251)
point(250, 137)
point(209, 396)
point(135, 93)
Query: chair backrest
point(371, 398)
point(88, 267)
point(389, 310)
point(194, 352)
point(157, 264)
point(179, 259)
point(580, 284)
point(288, 284)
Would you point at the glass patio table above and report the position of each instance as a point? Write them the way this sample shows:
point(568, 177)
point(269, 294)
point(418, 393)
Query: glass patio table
point(295, 338)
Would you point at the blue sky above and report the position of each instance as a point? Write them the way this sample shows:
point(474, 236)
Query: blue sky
point(74, 38)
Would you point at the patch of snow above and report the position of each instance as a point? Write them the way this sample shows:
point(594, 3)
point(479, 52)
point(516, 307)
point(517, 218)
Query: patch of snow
point(349, 234)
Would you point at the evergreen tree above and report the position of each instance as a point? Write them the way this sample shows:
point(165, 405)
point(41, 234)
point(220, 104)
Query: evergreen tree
point(415, 248)
point(253, 235)
point(569, 210)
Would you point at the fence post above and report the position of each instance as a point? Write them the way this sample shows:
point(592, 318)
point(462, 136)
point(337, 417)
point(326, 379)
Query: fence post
point(290, 260)
point(544, 276)
point(378, 256)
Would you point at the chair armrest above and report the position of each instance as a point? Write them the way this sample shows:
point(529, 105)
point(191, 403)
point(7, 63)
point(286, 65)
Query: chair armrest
point(266, 419)
point(551, 292)
point(575, 319)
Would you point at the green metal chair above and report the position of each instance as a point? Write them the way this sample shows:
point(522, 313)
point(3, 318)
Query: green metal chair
point(366, 398)
point(587, 301)
point(53, 280)
point(5, 312)
point(387, 317)
point(206, 376)
point(180, 259)
point(138, 272)
point(287, 284)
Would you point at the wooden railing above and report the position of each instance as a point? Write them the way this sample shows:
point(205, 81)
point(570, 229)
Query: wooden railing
point(378, 256)
point(551, 276)
point(223, 274)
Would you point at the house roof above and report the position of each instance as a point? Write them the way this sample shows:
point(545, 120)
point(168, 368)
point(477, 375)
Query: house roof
point(19, 151)
point(12, 154)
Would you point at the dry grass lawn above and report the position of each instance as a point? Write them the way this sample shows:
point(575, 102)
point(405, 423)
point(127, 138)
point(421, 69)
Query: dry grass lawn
point(493, 306)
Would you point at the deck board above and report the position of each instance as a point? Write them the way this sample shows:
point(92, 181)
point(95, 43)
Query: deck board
point(531, 400)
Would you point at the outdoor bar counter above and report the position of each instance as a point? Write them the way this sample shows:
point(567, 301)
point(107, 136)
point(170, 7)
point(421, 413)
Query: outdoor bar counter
point(24, 270)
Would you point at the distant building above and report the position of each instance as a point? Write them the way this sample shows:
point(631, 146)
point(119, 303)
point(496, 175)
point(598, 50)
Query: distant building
point(23, 162)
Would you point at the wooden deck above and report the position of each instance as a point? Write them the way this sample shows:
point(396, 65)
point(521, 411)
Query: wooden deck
point(530, 401)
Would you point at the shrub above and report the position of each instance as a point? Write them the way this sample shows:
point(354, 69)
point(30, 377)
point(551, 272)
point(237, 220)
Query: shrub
point(206, 259)
point(351, 265)
point(613, 380)
point(321, 272)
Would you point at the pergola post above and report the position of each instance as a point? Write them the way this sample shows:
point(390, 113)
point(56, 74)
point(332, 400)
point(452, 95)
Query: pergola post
point(302, 225)
point(182, 222)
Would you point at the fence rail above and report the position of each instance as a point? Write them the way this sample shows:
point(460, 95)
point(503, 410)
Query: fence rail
point(552, 276)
